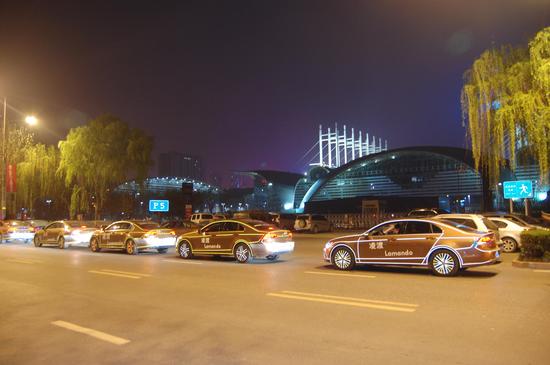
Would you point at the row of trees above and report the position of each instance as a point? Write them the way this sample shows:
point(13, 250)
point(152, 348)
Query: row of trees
point(506, 102)
point(76, 176)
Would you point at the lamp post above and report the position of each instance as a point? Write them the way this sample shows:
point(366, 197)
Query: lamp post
point(30, 120)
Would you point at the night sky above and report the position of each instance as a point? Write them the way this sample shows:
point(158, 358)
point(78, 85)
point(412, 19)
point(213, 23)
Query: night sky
point(245, 84)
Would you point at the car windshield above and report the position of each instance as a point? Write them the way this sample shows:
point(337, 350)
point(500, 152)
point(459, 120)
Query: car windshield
point(207, 216)
point(459, 226)
point(148, 226)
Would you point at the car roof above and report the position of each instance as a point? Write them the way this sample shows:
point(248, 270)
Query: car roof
point(459, 215)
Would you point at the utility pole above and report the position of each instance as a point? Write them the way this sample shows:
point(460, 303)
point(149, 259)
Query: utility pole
point(3, 167)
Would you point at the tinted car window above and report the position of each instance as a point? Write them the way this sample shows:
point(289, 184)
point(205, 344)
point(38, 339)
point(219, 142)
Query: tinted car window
point(207, 216)
point(458, 225)
point(216, 227)
point(418, 227)
point(499, 224)
point(233, 226)
point(436, 229)
point(389, 229)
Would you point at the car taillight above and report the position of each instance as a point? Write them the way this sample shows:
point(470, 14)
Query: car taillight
point(270, 235)
point(486, 242)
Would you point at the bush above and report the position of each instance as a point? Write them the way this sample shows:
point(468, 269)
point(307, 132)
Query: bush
point(535, 244)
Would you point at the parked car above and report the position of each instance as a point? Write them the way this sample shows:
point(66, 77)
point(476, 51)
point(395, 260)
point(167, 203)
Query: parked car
point(258, 215)
point(313, 223)
point(510, 232)
point(520, 219)
point(66, 233)
point(132, 237)
point(202, 218)
point(474, 221)
point(241, 239)
point(284, 220)
point(443, 246)
point(181, 227)
point(19, 230)
point(426, 212)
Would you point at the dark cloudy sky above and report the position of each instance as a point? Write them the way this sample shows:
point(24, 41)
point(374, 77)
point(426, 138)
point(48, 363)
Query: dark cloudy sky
point(244, 84)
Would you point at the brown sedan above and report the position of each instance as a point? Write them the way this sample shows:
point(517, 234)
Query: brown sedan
point(445, 247)
point(242, 239)
point(132, 237)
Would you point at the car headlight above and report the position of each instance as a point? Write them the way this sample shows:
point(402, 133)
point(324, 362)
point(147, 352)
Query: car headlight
point(328, 245)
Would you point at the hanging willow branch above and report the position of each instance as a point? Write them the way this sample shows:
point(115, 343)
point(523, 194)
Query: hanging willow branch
point(506, 102)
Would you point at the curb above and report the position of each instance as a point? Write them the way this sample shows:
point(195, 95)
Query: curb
point(531, 265)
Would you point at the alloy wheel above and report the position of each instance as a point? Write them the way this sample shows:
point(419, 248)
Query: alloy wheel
point(184, 250)
point(342, 259)
point(242, 253)
point(509, 245)
point(443, 263)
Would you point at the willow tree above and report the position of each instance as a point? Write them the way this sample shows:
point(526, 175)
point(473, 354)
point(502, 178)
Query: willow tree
point(37, 176)
point(506, 103)
point(97, 157)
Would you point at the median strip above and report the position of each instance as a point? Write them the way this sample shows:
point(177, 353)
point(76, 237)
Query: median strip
point(339, 274)
point(91, 332)
point(350, 301)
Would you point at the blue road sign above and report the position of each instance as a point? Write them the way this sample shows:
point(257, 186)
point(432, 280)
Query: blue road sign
point(518, 189)
point(159, 205)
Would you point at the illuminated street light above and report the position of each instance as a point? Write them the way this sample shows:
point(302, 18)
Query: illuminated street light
point(31, 120)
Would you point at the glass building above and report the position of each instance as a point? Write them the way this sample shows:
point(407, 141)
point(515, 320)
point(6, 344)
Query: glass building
point(440, 176)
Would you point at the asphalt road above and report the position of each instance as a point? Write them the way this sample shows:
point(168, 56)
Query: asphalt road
point(73, 306)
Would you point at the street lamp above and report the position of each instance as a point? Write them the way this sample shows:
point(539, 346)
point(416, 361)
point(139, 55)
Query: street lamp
point(31, 121)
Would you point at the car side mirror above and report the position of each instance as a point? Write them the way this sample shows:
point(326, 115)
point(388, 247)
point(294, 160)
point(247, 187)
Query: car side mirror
point(102, 227)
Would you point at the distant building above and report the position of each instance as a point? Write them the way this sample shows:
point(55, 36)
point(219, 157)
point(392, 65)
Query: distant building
point(171, 164)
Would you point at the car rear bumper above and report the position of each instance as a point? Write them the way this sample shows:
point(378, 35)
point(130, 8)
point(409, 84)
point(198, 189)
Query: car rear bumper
point(272, 248)
point(155, 242)
point(19, 236)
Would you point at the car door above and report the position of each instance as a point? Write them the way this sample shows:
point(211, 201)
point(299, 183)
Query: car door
point(210, 241)
point(50, 231)
point(372, 247)
point(105, 236)
point(419, 238)
point(118, 237)
point(229, 236)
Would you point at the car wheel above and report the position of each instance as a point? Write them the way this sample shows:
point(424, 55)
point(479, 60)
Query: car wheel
point(184, 250)
point(509, 244)
point(131, 248)
point(342, 258)
point(162, 250)
point(94, 245)
point(61, 242)
point(272, 257)
point(315, 229)
point(37, 242)
point(444, 263)
point(242, 253)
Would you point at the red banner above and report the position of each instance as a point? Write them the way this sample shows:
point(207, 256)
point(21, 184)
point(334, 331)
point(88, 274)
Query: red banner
point(11, 178)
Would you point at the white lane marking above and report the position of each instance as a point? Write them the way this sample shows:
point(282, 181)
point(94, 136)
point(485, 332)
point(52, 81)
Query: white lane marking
point(338, 274)
point(545, 271)
point(125, 272)
point(91, 332)
point(24, 261)
point(114, 274)
point(183, 261)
